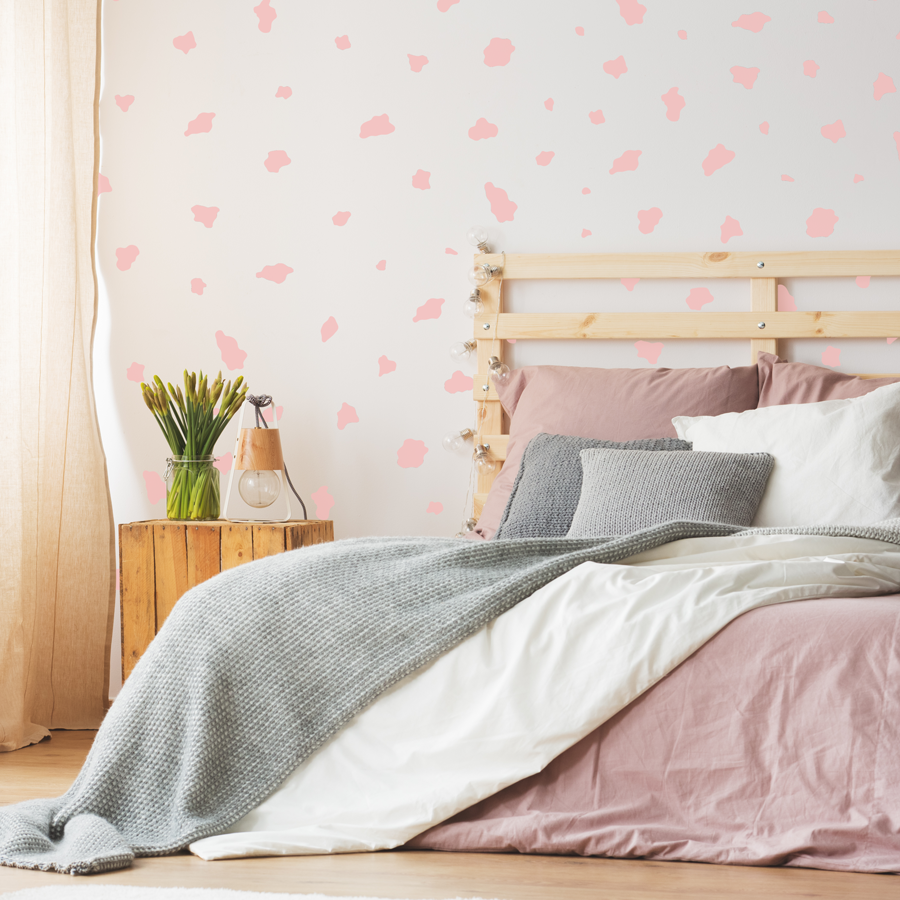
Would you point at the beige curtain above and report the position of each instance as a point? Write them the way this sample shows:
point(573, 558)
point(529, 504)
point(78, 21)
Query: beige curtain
point(56, 557)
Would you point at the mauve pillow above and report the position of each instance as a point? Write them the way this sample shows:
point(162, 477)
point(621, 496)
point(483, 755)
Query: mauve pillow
point(609, 405)
point(783, 382)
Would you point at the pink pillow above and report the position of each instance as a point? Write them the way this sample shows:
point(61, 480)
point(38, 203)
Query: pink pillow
point(783, 382)
point(608, 404)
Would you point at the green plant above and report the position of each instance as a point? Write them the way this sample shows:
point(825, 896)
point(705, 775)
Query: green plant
point(192, 426)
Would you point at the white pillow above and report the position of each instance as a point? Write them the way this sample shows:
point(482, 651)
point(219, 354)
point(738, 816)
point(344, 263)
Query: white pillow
point(836, 462)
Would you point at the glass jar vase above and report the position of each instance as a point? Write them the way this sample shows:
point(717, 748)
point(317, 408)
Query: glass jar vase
point(192, 488)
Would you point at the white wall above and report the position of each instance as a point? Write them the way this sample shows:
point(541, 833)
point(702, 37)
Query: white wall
point(149, 315)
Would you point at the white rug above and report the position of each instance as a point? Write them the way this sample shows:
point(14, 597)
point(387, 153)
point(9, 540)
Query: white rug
point(124, 892)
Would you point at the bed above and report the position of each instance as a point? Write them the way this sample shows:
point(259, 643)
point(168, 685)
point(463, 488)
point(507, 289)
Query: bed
point(578, 696)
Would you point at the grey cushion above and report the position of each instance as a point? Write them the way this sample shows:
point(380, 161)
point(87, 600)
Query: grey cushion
point(548, 484)
point(625, 490)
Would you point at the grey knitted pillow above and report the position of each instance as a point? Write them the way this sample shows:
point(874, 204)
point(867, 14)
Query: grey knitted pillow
point(548, 483)
point(625, 490)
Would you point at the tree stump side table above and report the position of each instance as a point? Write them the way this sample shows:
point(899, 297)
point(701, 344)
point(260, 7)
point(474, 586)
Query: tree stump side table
point(161, 559)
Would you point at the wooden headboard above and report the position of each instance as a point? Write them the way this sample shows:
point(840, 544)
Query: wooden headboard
point(763, 325)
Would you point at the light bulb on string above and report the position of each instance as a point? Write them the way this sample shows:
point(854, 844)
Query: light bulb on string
point(499, 370)
point(479, 276)
point(473, 305)
point(259, 488)
point(455, 441)
point(467, 528)
point(484, 464)
point(477, 237)
point(461, 350)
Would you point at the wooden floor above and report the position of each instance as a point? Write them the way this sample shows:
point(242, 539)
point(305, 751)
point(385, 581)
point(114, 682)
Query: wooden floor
point(48, 768)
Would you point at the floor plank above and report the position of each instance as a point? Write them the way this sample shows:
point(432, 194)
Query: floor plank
point(48, 768)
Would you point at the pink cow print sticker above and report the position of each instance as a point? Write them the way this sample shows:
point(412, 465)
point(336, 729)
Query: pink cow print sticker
point(498, 52)
point(376, 126)
point(266, 15)
point(746, 77)
point(430, 309)
point(631, 11)
point(185, 42)
point(627, 162)
point(716, 158)
point(284, 92)
point(543, 158)
point(417, 63)
point(324, 502)
point(420, 180)
point(197, 286)
point(386, 366)
point(232, 355)
point(502, 207)
point(674, 104)
point(730, 228)
point(201, 125)
point(753, 22)
point(276, 160)
point(649, 351)
point(276, 273)
point(135, 372)
point(124, 102)
point(821, 223)
point(698, 298)
point(329, 329)
point(205, 214)
point(346, 416)
point(482, 129)
point(648, 219)
point(156, 487)
point(785, 301)
point(411, 454)
point(103, 185)
point(435, 507)
point(458, 383)
point(125, 257)
point(342, 42)
point(615, 67)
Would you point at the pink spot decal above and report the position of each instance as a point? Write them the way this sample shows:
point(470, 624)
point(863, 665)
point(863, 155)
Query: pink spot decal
point(543, 158)
point(764, 127)
point(510, 340)
point(857, 179)
point(824, 18)
point(579, 31)
point(205, 214)
point(498, 52)
point(482, 129)
point(730, 228)
point(629, 283)
point(276, 159)
point(103, 185)
point(833, 132)
point(430, 309)
point(412, 454)
point(627, 162)
point(125, 256)
point(340, 218)
point(501, 206)
point(342, 42)
point(674, 104)
point(381, 265)
point(811, 68)
point(324, 501)
point(648, 219)
point(831, 356)
point(124, 102)
point(276, 273)
point(891, 340)
point(785, 300)
point(884, 84)
point(862, 281)
point(753, 22)
point(266, 16)
point(223, 463)
point(786, 178)
point(156, 487)
point(548, 104)
point(135, 372)
point(596, 116)
point(232, 355)
point(185, 42)
point(821, 223)
point(329, 329)
point(743, 76)
point(682, 34)
point(585, 233)
point(283, 91)
point(346, 416)
point(649, 351)
point(444, 5)
point(698, 298)
point(375, 126)
point(451, 251)
point(385, 366)
point(631, 11)
point(897, 142)
point(457, 383)
point(435, 507)
point(420, 180)
point(417, 63)
point(201, 125)
point(716, 158)
point(585, 191)
point(197, 286)
point(615, 67)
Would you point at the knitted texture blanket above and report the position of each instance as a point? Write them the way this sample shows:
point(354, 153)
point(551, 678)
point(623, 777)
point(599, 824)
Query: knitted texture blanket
point(257, 667)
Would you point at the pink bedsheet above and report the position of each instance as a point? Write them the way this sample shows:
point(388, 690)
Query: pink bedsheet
point(777, 743)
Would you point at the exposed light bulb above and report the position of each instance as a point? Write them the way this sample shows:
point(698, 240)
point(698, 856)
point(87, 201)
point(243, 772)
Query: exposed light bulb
point(461, 350)
point(259, 488)
point(499, 370)
point(477, 237)
point(467, 528)
point(473, 306)
point(484, 464)
point(482, 275)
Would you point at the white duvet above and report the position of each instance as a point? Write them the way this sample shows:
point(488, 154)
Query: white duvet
point(509, 699)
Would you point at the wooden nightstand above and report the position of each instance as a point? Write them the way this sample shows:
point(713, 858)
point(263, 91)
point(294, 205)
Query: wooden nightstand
point(159, 560)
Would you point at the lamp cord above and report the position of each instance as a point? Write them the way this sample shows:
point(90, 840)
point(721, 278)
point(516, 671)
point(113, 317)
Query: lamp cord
point(259, 402)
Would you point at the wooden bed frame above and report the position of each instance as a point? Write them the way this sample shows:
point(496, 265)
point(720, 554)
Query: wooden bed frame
point(763, 325)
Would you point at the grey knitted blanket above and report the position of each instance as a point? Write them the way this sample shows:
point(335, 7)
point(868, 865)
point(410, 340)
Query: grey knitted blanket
point(259, 666)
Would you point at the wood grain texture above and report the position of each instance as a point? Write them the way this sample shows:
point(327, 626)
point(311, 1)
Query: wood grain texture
point(170, 553)
point(203, 556)
point(696, 325)
point(810, 264)
point(48, 768)
point(267, 540)
point(488, 411)
point(763, 300)
point(236, 546)
point(259, 448)
point(136, 592)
